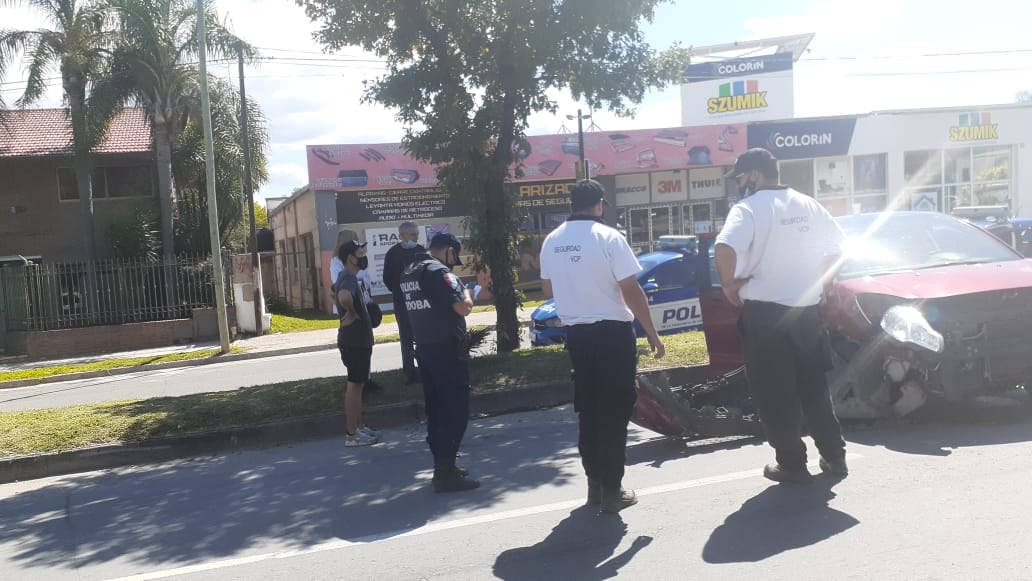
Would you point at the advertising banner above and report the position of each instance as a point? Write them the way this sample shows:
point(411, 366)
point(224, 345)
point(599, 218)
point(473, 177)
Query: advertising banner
point(632, 189)
point(380, 240)
point(805, 138)
point(745, 89)
point(669, 187)
point(544, 157)
point(396, 205)
point(551, 195)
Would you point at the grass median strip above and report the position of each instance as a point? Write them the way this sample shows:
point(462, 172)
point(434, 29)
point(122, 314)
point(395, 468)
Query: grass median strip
point(318, 321)
point(60, 429)
point(106, 364)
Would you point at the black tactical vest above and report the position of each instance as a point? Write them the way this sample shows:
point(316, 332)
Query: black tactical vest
point(432, 318)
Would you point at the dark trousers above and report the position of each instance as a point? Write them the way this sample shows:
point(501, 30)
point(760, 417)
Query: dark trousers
point(786, 357)
point(408, 344)
point(446, 397)
point(604, 357)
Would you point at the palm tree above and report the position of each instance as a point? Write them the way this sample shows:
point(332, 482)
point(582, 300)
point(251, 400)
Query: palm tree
point(77, 43)
point(155, 58)
point(188, 167)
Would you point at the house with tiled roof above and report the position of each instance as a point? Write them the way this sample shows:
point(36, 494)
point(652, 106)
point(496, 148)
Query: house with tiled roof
point(40, 214)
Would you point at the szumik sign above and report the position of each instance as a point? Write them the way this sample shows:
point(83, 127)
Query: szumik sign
point(804, 139)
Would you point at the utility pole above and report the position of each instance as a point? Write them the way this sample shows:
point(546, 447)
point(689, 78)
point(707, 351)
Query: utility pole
point(585, 173)
point(249, 191)
point(209, 165)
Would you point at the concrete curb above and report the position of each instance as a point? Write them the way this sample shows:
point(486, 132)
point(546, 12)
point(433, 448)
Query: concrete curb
point(177, 364)
point(294, 430)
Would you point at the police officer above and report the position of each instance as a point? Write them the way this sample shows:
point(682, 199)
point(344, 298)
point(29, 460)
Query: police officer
point(774, 256)
point(437, 305)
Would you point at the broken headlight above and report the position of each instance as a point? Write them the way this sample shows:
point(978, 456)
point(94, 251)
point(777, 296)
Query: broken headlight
point(907, 325)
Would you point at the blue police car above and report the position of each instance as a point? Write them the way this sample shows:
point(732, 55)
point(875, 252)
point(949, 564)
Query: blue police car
point(668, 278)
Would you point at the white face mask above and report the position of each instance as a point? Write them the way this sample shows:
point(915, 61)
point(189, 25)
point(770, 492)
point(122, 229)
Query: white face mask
point(408, 244)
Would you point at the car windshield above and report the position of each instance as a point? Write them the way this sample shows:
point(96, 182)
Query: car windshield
point(903, 241)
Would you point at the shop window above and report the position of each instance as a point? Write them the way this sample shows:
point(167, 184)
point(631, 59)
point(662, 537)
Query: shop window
point(554, 220)
point(868, 204)
point(922, 168)
point(639, 225)
point(798, 175)
point(958, 195)
point(992, 194)
point(130, 181)
point(924, 199)
point(839, 207)
point(957, 163)
point(992, 163)
point(833, 175)
point(870, 173)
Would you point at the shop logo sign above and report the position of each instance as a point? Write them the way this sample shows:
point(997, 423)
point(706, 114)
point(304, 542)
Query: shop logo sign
point(737, 96)
point(975, 127)
point(778, 140)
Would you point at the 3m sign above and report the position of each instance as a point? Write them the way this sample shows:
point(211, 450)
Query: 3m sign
point(669, 186)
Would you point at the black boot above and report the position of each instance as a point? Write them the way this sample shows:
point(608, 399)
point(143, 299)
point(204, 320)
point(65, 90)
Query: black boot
point(779, 473)
point(452, 479)
point(594, 492)
point(836, 468)
point(616, 499)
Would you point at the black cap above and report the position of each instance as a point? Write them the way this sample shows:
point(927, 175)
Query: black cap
point(586, 193)
point(444, 239)
point(755, 159)
point(349, 248)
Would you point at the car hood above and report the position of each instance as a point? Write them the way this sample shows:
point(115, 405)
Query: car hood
point(545, 311)
point(946, 281)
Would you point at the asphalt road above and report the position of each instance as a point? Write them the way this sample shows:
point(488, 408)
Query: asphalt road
point(922, 502)
point(187, 380)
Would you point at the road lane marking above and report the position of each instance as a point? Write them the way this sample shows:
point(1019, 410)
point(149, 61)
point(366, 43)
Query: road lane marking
point(438, 527)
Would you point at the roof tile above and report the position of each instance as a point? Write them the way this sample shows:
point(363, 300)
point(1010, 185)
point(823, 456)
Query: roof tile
point(48, 132)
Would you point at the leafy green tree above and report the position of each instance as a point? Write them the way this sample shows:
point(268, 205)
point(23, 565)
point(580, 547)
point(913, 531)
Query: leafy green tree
point(76, 43)
point(155, 64)
point(464, 76)
point(190, 176)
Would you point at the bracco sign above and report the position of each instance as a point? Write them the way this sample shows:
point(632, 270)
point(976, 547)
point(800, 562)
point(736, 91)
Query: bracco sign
point(748, 89)
point(804, 139)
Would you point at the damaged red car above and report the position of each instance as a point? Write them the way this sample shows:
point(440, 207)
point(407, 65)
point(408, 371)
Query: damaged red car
point(923, 307)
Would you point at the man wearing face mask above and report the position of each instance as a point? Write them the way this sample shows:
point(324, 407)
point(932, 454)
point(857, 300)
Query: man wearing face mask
point(398, 257)
point(354, 338)
point(437, 306)
point(775, 255)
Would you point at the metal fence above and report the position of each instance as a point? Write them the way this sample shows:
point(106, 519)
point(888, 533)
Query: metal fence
point(44, 297)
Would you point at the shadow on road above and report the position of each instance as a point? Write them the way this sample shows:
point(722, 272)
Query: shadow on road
point(581, 546)
point(216, 507)
point(779, 519)
point(659, 450)
point(938, 435)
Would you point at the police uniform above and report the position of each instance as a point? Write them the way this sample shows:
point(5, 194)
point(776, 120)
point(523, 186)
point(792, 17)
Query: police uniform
point(430, 290)
point(783, 241)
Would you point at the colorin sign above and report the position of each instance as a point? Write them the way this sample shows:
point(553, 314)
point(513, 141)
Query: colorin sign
point(804, 139)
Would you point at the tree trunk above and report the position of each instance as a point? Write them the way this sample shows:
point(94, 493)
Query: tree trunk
point(163, 150)
point(503, 279)
point(83, 164)
point(499, 252)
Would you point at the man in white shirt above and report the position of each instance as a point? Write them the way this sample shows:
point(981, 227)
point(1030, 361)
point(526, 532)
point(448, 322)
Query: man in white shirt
point(592, 273)
point(775, 255)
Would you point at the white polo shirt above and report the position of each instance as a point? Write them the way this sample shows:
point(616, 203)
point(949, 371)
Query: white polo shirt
point(781, 238)
point(585, 260)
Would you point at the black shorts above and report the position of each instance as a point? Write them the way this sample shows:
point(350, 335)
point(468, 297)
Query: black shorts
point(358, 360)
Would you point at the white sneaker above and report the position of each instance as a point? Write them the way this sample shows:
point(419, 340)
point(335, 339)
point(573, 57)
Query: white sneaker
point(369, 432)
point(360, 438)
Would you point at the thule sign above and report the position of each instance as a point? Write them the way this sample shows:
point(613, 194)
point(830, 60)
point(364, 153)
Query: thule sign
point(804, 139)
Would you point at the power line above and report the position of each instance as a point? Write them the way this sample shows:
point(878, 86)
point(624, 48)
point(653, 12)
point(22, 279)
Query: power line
point(926, 55)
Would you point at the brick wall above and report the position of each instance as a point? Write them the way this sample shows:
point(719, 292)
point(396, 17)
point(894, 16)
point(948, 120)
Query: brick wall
point(114, 338)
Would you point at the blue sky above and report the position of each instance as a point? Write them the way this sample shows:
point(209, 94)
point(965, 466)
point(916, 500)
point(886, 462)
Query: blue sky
point(865, 57)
